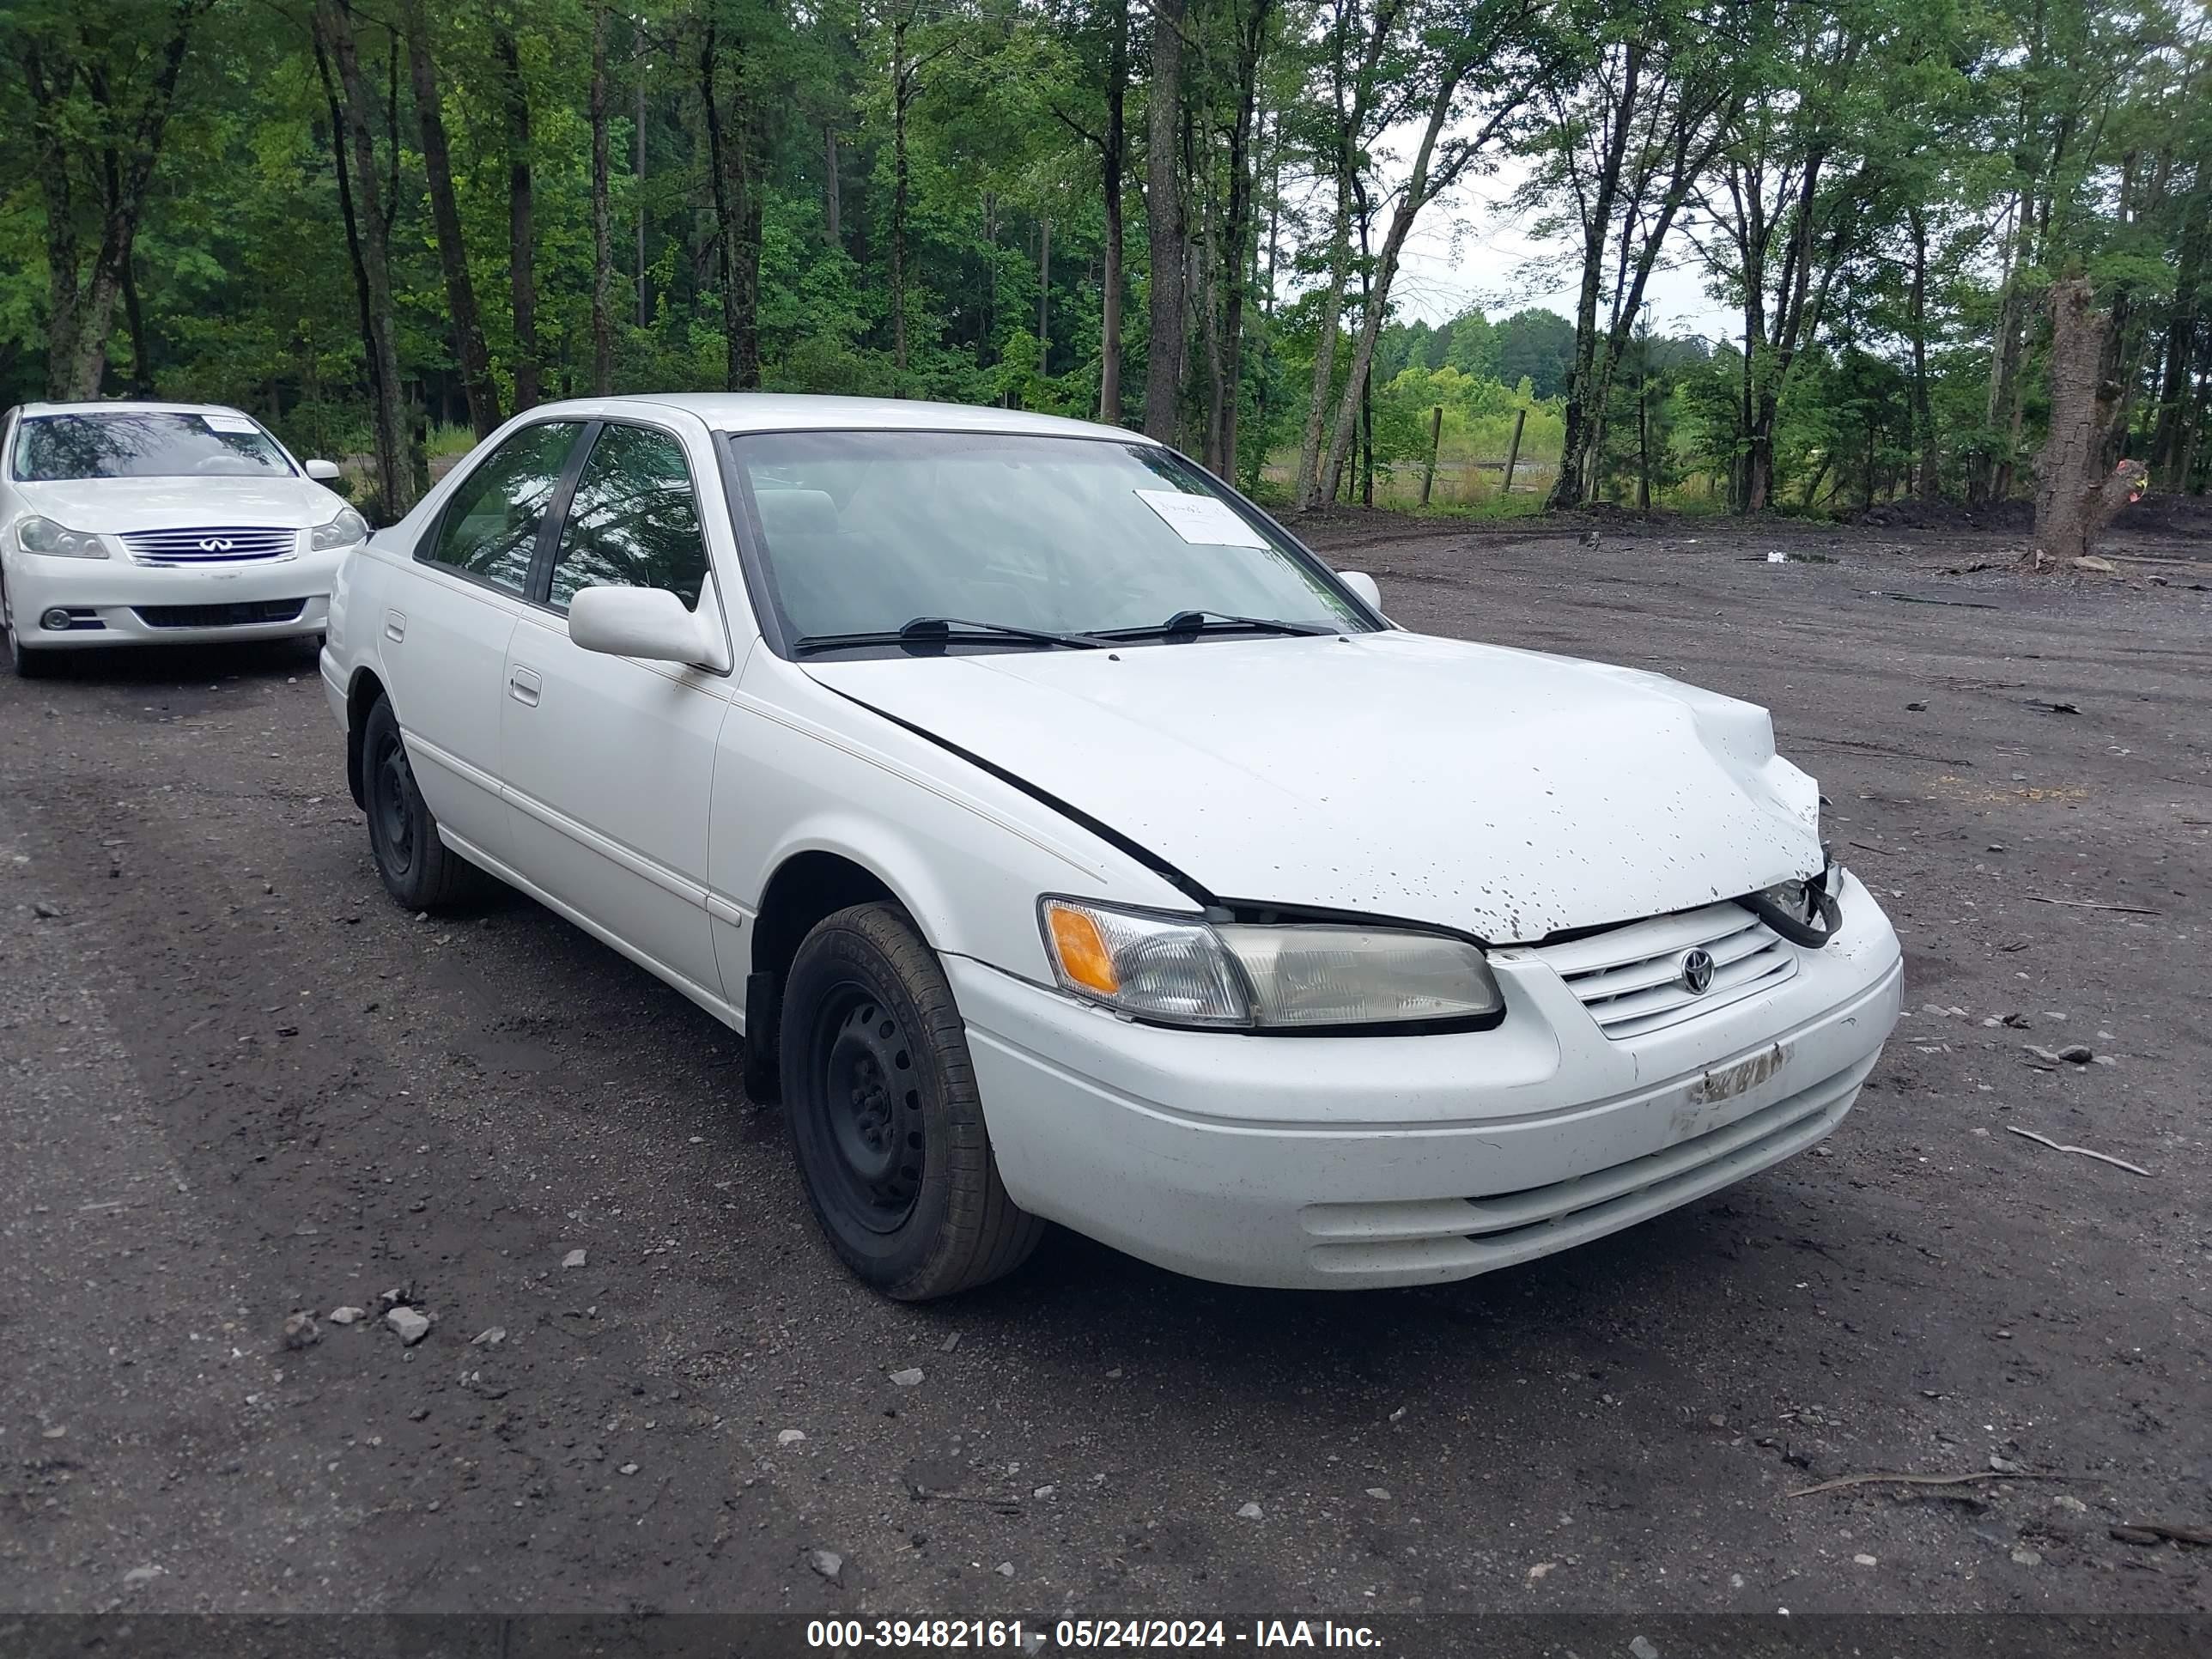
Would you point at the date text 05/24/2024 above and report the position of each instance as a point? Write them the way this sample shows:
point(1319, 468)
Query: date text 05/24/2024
point(857, 1635)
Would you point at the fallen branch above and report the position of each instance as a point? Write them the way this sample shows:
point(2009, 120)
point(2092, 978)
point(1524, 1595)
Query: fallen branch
point(2149, 1532)
point(1889, 852)
point(2091, 904)
point(1881, 1479)
point(2082, 1151)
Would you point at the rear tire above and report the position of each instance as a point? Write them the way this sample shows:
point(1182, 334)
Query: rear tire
point(419, 870)
point(886, 1122)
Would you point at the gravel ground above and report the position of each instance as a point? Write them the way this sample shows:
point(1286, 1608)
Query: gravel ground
point(237, 1083)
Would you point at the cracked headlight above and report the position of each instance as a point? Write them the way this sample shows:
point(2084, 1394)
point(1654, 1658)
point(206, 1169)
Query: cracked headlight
point(344, 530)
point(1292, 976)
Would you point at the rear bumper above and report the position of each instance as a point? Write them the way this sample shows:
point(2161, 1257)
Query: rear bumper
point(120, 602)
point(1336, 1163)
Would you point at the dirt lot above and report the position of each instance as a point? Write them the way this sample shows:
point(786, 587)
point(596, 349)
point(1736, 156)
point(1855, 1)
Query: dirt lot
point(235, 1082)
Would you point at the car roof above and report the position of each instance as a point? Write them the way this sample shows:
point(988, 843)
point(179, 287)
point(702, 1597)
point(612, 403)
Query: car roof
point(779, 411)
point(129, 406)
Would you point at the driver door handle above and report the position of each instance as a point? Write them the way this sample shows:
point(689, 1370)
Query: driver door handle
point(523, 685)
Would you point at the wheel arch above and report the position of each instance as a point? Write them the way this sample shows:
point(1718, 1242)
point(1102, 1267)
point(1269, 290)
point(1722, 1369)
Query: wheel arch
point(363, 692)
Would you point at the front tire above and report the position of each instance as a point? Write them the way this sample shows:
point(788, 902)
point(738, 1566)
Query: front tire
point(885, 1119)
point(23, 662)
point(419, 870)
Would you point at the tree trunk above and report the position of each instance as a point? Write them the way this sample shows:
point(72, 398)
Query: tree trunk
point(738, 220)
point(901, 93)
point(81, 316)
point(603, 256)
point(373, 261)
point(1923, 414)
point(1044, 298)
point(1421, 187)
point(637, 183)
point(141, 357)
point(521, 242)
point(1577, 438)
point(833, 227)
point(1164, 226)
point(1113, 154)
point(1237, 228)
point(477, 382)
point(2075, 496)
point(2166, 442)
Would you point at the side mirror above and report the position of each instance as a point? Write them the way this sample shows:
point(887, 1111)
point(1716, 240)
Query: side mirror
point(649, 623)
point(1364, 585)
point(323, 472)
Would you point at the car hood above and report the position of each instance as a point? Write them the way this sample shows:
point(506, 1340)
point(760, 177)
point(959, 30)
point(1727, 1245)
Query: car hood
point(111, 505)
point(1505, 792)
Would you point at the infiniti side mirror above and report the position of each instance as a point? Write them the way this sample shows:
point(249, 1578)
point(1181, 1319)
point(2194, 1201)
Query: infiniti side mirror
point(323, 472)
point(1364, 585)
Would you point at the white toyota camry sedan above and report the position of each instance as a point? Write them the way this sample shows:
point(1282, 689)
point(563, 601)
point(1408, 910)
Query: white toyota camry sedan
point(124, 523)
point(1071, 845)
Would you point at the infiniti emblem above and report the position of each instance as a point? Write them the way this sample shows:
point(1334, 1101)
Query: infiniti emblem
point(214, 544)
point(1697, 969)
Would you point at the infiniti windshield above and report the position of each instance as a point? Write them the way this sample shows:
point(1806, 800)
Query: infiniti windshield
point(145, 444)
point(866, 531)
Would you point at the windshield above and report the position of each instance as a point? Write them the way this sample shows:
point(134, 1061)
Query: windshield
point(867, 532)
point(145, 444)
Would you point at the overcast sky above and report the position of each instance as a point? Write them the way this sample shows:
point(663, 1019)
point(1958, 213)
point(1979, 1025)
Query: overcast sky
point(1476, 248)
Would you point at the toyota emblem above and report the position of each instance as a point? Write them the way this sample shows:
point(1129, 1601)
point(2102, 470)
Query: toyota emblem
point(1697, 972)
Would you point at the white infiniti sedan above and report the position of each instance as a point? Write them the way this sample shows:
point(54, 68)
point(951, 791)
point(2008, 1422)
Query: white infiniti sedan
point(125, 523)
point(1070, 844)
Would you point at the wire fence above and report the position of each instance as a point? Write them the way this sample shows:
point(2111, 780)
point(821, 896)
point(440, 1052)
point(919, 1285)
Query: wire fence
point(1456, 483)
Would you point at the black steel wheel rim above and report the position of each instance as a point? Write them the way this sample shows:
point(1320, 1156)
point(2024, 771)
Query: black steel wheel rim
point(393, 805)
point(868, 1108)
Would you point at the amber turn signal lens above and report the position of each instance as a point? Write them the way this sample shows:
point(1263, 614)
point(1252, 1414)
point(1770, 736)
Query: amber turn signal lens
point(1083, 954)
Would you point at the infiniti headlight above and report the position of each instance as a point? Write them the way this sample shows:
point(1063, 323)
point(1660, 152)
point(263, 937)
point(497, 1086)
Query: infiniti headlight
point(344, 530)
point(1287, 977)
point(57, 541)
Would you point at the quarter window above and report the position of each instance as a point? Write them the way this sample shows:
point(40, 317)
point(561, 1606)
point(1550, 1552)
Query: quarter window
point(490, 526)
point(634, 521)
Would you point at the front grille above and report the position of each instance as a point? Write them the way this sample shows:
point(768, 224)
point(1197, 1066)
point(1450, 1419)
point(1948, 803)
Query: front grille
point(1475, 1235)
point(1630, 978)
point(220, 616)
point(214, 544)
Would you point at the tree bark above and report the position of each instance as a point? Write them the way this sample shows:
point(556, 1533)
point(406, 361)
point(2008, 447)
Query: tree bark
point(521, 242)
point(371, 258)
point(2075, 495)
point(603, 257)
point(477, 385)
point(1165, 225)
point(1112, 156)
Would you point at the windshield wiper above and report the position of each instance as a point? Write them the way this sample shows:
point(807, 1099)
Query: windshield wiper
point(1211, 622)
point(944, 630)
